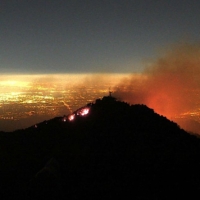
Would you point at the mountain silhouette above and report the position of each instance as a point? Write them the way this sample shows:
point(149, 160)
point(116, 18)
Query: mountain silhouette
point(104, 150)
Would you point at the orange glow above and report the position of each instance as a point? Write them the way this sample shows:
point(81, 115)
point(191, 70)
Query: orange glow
point(83, 111)
point(48, 96)
point(170, 84)
point(71, 117)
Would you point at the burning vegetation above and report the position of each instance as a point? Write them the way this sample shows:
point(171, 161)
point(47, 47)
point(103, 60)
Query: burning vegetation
point(80, 112)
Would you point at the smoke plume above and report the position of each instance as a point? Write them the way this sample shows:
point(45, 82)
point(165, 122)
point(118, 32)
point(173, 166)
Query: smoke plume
point(170, 84)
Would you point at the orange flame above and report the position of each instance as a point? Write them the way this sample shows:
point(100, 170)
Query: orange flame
point(71, 117)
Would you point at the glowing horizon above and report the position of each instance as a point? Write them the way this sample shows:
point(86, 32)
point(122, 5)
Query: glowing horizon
point(44, 96)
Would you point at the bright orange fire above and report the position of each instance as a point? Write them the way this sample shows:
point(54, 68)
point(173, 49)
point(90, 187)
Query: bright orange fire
point(71, 117)
point(83, 111)
point(170, 85)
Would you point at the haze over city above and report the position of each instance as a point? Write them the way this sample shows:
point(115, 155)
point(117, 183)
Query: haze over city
point(56, 56)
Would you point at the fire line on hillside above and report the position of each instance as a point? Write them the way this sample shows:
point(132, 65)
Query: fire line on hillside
point(80, 112)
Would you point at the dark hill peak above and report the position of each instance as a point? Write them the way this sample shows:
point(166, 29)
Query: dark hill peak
point(109, 99)
point(111, 110)
point(110, 149)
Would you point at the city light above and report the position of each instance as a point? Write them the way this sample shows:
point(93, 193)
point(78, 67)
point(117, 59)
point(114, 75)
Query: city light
point(34, 98)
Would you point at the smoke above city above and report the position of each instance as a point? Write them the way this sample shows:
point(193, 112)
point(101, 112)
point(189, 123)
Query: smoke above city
point(170, 84)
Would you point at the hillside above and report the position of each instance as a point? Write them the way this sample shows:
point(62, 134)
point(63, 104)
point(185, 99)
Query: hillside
point(110, 150)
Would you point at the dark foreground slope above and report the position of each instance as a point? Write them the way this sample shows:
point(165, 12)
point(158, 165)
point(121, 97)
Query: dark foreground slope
point(116, 151)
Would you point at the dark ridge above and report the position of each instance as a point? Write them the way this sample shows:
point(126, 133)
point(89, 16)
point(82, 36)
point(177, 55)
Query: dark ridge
point(117, 150)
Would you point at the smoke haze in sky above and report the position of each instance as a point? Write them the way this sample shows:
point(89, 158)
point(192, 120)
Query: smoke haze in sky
point(170, 84)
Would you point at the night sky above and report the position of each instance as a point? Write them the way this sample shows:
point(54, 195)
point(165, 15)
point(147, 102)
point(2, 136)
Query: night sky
point(83, 36)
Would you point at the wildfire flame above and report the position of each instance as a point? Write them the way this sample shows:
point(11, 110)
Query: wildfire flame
point(81, 112)
point(71, 117)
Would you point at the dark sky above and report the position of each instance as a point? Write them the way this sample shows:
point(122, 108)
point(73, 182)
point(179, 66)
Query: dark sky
point(81, 36)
